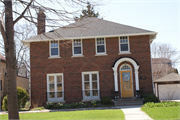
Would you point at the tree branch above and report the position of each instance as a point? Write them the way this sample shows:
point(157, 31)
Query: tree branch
point(2, 27)
point(21, 16)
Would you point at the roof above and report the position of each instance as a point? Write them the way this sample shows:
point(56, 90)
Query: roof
point(160, 60)
point(170, 77)
point(2, 57)
point(89, 28)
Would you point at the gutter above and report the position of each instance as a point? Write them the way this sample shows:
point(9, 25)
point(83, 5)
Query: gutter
point(150, 41)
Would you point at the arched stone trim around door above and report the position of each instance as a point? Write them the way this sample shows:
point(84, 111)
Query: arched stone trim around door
point(115, 69)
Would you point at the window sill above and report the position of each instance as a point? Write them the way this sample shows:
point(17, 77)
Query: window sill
point(124, 53)
point(77, 56)
point(101, 54)
point(88, 100)
point(56, 101)
point(55, 57)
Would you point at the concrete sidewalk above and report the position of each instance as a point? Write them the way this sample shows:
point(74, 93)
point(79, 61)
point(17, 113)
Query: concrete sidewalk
point(134, 113)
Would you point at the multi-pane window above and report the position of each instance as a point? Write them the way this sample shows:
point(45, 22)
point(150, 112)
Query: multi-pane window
point(54, 48)
point(125, 67)
point(90, 85)
point(77, 47)
point(124, 44)
point(100, 45)
point(55, 87)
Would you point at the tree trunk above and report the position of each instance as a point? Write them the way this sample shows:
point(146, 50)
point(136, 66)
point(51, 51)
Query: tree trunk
point(10, 62)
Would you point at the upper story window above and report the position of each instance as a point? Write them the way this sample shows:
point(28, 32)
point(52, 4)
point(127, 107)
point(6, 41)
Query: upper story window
point(54, 49)
point(124, 44)
point(100, 46)
point(77, 47)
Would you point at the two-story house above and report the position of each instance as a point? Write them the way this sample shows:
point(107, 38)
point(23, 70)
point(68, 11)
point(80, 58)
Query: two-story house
point(89, 59)
point(22, 81)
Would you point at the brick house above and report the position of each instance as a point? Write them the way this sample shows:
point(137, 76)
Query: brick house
point(88, 60)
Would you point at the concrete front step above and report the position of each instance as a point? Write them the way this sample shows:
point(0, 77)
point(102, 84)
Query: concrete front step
point(127, 102)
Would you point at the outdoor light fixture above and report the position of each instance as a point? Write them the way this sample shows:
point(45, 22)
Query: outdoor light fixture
point(116, 95)
point(138, 93)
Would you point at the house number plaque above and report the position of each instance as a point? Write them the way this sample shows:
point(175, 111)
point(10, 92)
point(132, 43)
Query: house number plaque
point(143, 77)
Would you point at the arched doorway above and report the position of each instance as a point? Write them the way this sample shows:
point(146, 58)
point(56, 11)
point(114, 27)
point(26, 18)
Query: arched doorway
point(135, 68)
point(126, 80)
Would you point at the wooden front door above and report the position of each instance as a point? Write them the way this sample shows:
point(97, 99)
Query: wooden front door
point(126, 84)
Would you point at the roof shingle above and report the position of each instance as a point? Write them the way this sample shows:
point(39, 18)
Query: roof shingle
point(89, 28)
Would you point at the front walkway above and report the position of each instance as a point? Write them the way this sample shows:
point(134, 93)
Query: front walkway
point(134, 113)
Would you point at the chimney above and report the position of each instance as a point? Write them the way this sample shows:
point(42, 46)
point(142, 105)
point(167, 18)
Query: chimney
point(41, 22)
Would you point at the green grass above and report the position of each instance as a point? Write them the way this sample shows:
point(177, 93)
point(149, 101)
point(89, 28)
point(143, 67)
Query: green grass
point(163, 113)
point(72, 115)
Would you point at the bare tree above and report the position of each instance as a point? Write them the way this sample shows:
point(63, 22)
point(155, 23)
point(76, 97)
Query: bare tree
point(164, 59)
point(15, 11)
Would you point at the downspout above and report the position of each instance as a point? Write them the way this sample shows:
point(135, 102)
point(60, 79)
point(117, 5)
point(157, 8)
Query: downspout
point(150, 41)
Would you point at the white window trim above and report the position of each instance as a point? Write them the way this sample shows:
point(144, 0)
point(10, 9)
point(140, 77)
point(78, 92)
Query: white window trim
point(77, 55)
point(90, 98)
point(124, 52)
point(55, 87)
point(104, 53)
point(54, 56)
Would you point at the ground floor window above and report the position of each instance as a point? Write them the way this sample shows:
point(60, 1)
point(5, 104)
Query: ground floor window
point(55, 87)
point(90, 85)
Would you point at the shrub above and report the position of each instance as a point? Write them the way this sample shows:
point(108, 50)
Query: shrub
point(49, 105)
point(150, 98)
point(106, 100)
point(93, 103)
point(22, 99)
point(4, 106)
point(162, 104)
point(38, 108)
point(28, 105)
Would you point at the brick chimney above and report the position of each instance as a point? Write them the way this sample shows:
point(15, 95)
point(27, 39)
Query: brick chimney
point(41, 22)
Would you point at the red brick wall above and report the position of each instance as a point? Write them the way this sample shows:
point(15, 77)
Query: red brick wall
point(73, 67)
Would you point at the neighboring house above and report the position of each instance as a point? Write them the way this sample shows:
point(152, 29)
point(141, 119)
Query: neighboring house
point(161, 67)
point(168, 87)
point(2, 71)
point(88, 60)
point(22, 71)
point(21, 81)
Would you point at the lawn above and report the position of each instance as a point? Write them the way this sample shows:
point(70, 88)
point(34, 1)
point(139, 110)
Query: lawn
point(162, 113)
point(73, 115)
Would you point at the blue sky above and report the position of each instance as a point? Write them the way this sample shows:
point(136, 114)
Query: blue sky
point(161, 16)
